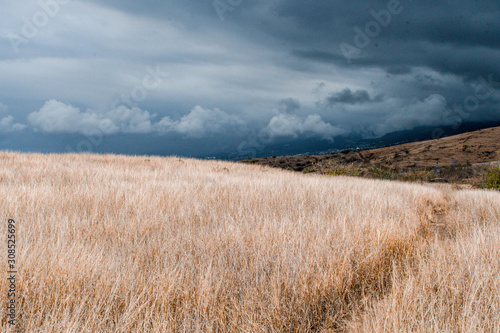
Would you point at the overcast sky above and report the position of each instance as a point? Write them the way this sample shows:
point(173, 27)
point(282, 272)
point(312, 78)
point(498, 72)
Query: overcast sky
point(201, 76)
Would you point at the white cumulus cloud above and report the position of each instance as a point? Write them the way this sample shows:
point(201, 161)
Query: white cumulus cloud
point(7, 122)
point(7, 125)
point(286, 125)
point(128, 120)
point(58, 117)
point(201, 122)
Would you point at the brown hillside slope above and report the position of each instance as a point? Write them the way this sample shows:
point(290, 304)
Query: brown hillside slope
point(473, 147)
point(452, 153)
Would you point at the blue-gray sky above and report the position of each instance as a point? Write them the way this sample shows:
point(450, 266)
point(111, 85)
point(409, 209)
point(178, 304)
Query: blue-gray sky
point(194, 77)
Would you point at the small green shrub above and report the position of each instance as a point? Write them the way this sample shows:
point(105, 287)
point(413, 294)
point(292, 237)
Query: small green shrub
point(381, 173)
point(492, 178)
point(338, 172)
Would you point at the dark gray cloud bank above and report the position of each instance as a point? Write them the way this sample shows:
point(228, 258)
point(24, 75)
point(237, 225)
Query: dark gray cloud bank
point(196, 77)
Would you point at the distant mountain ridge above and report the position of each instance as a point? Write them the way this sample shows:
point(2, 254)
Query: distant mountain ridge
point(463, 159)
point(308, 147)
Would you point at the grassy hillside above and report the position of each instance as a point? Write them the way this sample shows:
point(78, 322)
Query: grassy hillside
point(465, 159)
point(135, 244)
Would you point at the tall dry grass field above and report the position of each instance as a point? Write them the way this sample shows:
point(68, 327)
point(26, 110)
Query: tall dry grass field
point(136, 244)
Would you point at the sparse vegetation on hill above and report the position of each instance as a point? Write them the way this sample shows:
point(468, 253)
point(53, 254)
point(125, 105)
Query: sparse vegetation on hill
point(136, 244)
point(492, 180)
point(462, 164)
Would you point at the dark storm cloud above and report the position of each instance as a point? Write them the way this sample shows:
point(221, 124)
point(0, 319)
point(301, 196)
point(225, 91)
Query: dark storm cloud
point(398, 69)
point(347, 96)
point(393, 64)
point(460, 37)
point(289, 105)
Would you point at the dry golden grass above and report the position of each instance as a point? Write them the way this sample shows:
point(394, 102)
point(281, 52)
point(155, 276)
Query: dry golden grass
point(136, 244)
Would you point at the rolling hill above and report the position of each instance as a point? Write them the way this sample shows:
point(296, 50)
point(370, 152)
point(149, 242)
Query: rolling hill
point(462, 158)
